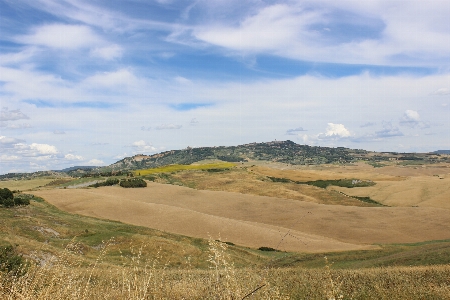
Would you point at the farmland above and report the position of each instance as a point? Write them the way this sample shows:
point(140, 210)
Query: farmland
point(218, 214)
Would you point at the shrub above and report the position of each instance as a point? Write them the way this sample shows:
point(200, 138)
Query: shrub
point(11, 261)
point(267, 249)
point(21, 201)
point(6, 197)
point(108, 182)
point(133, 183)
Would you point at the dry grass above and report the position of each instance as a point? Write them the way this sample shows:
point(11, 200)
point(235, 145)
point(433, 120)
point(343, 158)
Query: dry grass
point(147, 278)
point(138, 278)
point(424, 191)
point(24, 185)
point(252, 183)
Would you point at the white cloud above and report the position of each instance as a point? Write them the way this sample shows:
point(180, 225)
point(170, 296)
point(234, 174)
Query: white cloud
point(18, 126)
point(377, 32)
point(142, 147)
point(116, 80)
point(73, 157)
point(442, 91)
point(182, 80)
point(9, 141)
point(5, 157)
point(272, 28)
point(193, 122)
point(11, 115)
point(59, 132)
point(168, 126)
point(335, 131)
point(411, 118)
point(108, 52)
point(61, 36)
point(95, 162)
point(43, 149)
point(121, 156)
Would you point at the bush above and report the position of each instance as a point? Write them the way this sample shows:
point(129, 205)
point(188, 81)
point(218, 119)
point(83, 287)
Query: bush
point(11, 261)
point(267, 249)
point(21, 201)
point(108, 182)
point(6, 197)
point(133, 183)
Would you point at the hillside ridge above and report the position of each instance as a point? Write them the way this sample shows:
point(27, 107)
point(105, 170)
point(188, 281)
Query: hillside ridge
point(286, 152)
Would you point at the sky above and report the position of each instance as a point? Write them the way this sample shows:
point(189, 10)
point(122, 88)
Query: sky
point(89, 82)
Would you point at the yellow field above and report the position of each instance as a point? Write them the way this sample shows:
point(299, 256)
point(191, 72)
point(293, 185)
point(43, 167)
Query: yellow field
point(24, 185)
point(176, 168)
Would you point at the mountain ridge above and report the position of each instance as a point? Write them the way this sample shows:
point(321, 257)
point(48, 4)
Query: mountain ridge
point(287, 152)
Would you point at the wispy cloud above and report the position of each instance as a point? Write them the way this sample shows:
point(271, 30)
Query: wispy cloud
point(442, 92)
point(18, 126)
point(61, 36)
point(12, 115)
point(368, 124)
point(295, 131)
point(168, 126)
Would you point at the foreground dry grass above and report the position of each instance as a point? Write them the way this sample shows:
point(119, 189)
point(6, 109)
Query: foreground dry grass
point(138, 278)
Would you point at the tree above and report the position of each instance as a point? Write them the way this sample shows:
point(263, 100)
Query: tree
point(6, 197)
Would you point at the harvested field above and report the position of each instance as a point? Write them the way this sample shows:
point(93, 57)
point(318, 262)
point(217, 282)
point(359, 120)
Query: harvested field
point(24, 185)
point(426, 191)
point(256, 221)
point(249, 182)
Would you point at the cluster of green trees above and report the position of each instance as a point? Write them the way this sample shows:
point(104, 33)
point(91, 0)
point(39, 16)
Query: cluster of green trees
point(108, 182)
point(7, 199)
point(133, 183)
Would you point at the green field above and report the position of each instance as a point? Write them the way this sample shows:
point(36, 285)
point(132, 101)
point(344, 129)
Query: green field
point(177, 168)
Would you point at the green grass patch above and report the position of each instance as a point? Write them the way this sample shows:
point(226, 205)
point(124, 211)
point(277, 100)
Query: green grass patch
point(390, 255)
point(376, 164)
point(348, 183)
point(176, 168)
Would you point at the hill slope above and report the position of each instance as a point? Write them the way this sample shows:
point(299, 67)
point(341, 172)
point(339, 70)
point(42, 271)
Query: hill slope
point(278, 151)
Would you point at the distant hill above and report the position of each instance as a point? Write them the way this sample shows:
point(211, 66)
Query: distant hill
point(442, 152)
point(278, 151)
point(286, 152)
point(76, 168)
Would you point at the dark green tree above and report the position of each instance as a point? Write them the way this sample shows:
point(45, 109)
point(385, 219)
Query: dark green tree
point(6, 197)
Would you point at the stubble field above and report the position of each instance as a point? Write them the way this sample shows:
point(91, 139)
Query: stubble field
point(295, 222)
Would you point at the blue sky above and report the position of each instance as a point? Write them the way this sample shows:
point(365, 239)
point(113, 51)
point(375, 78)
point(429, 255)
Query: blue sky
point(90, 82)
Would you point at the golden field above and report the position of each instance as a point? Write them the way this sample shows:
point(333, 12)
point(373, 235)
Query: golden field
point(180, 217)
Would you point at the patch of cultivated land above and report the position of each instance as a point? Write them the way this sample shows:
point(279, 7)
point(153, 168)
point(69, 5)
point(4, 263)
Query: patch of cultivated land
point(255, 221)
point(248, 181)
